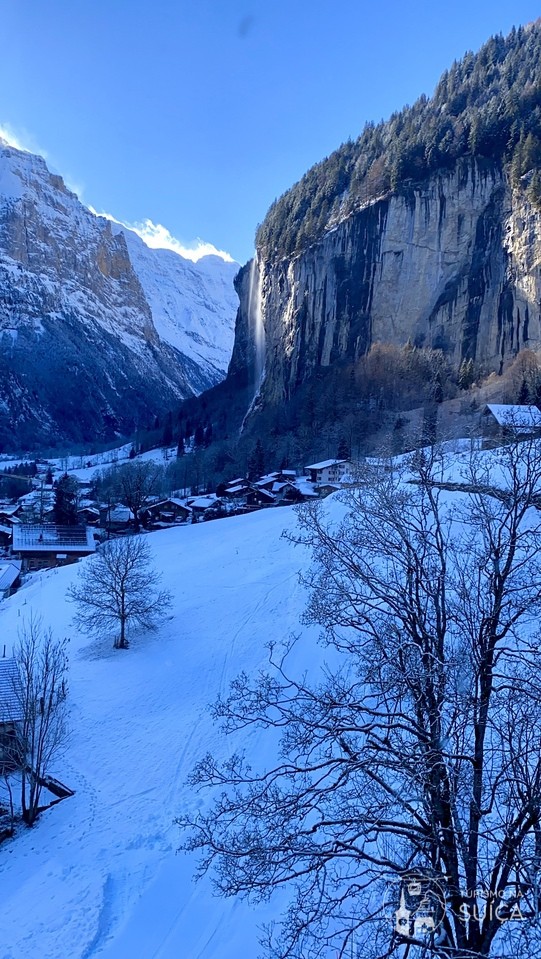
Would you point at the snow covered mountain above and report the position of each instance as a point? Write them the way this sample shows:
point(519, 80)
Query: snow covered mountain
point(98, 333)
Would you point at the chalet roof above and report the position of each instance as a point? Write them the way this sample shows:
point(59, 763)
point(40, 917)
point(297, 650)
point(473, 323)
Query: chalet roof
point(6, 529)
point(239, 488)
point(265, 493)
point(325, 464)
point(305, 486)
point(519, 418)
point(37, 496)
point(43, 538)
point(118, 514)
point(205, 502)
point(10, 706)
point(10, 510)
point(9, 571)
point(171, 500)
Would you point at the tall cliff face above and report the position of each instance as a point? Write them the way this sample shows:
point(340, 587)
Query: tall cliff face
point(98, 333)
point(453, 264)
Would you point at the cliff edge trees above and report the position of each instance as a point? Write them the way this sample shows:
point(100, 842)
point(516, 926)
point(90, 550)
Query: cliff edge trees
point(487, 106)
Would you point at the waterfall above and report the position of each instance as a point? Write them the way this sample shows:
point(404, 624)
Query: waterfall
point(255, 320)
point(257, 334)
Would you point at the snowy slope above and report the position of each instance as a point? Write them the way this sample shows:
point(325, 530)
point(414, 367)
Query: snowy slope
point(193, 304)
point(98, 876)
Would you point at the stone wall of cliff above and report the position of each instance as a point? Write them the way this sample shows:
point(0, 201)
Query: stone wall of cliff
point(453, 264)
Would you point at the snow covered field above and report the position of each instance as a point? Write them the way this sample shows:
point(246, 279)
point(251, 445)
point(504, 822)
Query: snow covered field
point(98, 875)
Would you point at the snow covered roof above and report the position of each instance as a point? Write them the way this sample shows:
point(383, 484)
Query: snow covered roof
point(265, 494)
point(165, 502)
point(305, 486)
point(519, 418)
point(239, 488)
point(10, 707)
point(119, 514)
point(47, 539)
point(9, 572)
point(325, 464)
point(10, 510)
point(204, 502)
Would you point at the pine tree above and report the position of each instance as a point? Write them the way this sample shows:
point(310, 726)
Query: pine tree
point(65, 501)
point(256, 461)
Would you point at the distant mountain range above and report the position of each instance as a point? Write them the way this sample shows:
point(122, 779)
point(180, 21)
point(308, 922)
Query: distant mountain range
point(98, 333)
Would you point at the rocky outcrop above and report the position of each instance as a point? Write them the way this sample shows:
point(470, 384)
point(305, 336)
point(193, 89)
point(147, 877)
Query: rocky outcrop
point(98, 333)
point(454, 264)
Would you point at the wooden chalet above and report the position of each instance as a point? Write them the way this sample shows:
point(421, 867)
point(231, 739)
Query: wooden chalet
point(116, 518)
point(501, 422)
point(10, 576)
point(88, 515)
point(167, 512)
point(203, 507)
point(41, 546)
point(258, 496)
point(11, 716)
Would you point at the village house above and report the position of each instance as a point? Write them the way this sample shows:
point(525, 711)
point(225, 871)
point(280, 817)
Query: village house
point(9, 514)
point(328, 471)
point(259, 497)
point(270, 480)
point(42, 546)
point(11, 715)
point(167, 512)
point(237, 490)
point(205, 507)
point(10, 577)
point(501, 422)
point(88, 515)
point(116, 518)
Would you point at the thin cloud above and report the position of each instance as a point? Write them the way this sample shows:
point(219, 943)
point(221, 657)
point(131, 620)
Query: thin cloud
point(155, 235)
point(20, 140)
point(158, 237)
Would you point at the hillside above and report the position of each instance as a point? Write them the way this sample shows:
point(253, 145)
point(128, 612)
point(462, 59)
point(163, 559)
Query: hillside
point(100, 869)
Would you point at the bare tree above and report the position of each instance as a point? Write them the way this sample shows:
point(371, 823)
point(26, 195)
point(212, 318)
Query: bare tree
point(118, 587)
point(41, 690)
point(136, 483)
point(411, 769)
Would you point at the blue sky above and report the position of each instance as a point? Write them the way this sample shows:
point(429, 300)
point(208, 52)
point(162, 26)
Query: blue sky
point(196, 115)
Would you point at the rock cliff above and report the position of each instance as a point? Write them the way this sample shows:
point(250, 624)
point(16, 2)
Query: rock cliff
point(453, 263)
point(98, 333)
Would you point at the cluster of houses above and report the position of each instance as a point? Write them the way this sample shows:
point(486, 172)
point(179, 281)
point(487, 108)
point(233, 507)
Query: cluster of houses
point(30, 540)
